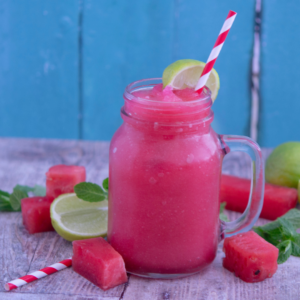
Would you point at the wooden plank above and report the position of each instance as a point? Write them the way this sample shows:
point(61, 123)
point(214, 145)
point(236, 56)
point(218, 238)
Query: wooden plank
point(8, 296)
point(280, 74)
point(197, 25)
point(39, 68)
point(215, 282)
point(123, 41)
point(35, 156)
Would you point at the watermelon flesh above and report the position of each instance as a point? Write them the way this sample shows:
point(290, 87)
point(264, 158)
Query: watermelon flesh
point(97, 261)
point(250, 257)
point(36, 214)
point(61, 179)
point(278, 200)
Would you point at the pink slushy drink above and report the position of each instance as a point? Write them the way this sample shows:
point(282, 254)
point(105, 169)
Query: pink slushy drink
point(164, 182)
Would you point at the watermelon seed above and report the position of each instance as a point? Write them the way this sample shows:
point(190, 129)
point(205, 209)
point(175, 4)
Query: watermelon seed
point(257, 272)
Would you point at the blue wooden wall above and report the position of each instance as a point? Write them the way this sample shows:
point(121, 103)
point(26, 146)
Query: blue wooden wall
point(280, 80)
point(64, 64)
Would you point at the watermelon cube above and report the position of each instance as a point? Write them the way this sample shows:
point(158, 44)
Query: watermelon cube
point(278, 200)
point(97, 261)
point(61, 179)
point(250, 257)
point(36, 214)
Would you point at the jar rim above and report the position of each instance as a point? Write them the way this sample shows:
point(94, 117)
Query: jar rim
point(138, 85)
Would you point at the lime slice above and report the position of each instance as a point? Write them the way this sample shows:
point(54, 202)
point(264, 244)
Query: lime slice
point(185, 73)
point(75, 219)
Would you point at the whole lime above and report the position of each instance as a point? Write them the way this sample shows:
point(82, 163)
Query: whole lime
point(283, 165)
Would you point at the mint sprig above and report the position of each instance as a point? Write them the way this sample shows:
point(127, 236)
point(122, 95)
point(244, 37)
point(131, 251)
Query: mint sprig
point(105, 184)
point(37, 190)
point(282, 234)
point(4, 201)
point(285, 251)
point(15, 199)
point(222, 215)
point(92, 192)
point(12, 202)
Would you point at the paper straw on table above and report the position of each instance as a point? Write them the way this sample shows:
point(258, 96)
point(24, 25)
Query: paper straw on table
point(215, 51)
point(38, 274)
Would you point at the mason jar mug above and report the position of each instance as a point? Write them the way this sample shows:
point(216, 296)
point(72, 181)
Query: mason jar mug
point(165, 164)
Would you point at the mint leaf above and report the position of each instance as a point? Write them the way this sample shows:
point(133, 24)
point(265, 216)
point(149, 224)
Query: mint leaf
point(12, 202)
point(15, 199)
point(276, 235)
point(23, 188)
point(273, 236)
point(287, 229)
point(39, 190)
point(293, 216)
point(296, 247)
point(261, 233)
point(282, 234)
point(5, 206)
point(105, 184)
point(222, 215)
point(222, 206)
point(90, 192)
point(269, 226)
point(285, 251)
point(4, 201)
point(4, 194)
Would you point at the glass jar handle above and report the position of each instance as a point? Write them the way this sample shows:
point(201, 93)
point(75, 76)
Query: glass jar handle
point(246, 221)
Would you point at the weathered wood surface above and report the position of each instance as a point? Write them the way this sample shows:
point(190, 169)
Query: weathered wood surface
point(26, 161)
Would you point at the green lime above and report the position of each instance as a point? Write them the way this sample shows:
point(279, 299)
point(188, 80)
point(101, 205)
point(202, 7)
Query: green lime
point(185, 73)
point(283, 165)
point(75, 219)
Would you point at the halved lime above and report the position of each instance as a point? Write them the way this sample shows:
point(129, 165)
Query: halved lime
point(75, 219)
point(185, 73)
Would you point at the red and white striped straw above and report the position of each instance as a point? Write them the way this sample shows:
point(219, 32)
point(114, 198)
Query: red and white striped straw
point(215, 51)
point(38, 274)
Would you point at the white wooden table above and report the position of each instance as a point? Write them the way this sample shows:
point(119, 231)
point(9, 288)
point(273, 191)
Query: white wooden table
point(25, 161)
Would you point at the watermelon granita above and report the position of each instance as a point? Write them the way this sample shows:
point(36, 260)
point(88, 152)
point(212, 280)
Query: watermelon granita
point(61, 179)
point(250, 257)
point(36, 214)
point(168, 94)
point(278, 200)
point(97, 261)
